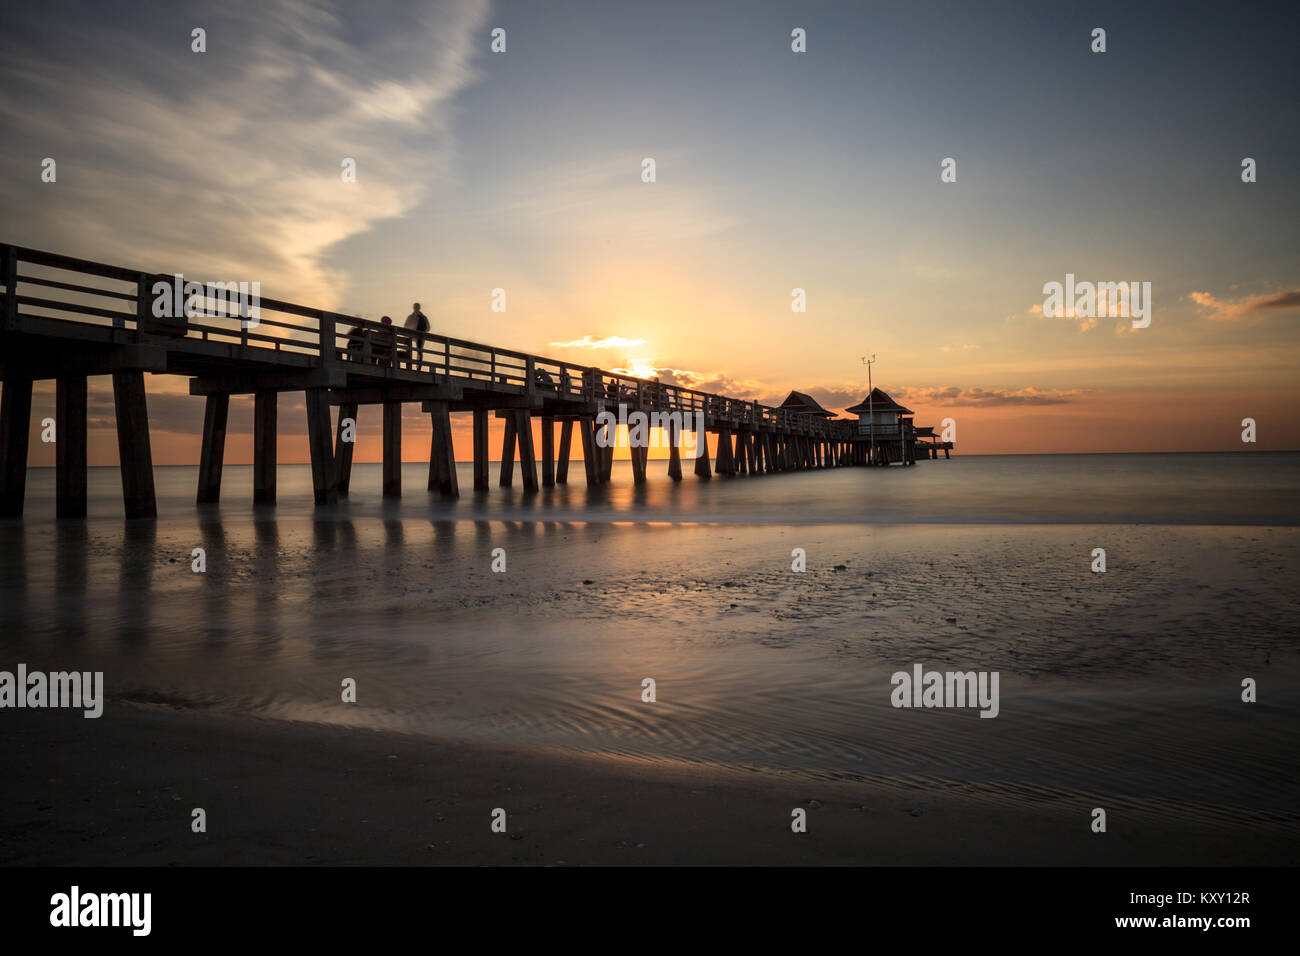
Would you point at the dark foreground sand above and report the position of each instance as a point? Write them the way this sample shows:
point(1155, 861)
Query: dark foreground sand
point(123, 794)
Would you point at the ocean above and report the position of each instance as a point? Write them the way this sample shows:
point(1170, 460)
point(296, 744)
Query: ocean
point(1248, 488)
point(1119, 688)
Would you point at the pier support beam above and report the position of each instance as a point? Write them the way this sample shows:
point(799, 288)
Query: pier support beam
point(640, 456)
point(324, 481)
point(508, 442)
point(702, 468)
point(566, 452)
point(606, 453)
point(726, 462)
point(265, 407)
point(135, 454)
point(70, 446)
point(590, 460)
point(527, 457)
point(442, 452)
point(212, 454)
point(480, 429)
point(548, 451)
point(343, 449)
point(15, 431)
point(674, 449)
point(392, 449)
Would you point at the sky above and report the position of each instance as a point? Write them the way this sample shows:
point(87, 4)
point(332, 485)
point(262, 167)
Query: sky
point(775, 170)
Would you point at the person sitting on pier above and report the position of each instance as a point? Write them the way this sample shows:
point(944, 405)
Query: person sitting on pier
point(357, 339)
point(543, 378)
point(384, 340)
point(418, 323)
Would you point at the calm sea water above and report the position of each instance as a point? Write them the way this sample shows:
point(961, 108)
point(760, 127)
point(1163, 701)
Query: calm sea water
point(1119, 687)
point(1247, 488)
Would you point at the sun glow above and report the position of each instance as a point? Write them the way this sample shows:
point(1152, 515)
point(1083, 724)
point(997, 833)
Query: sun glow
point(639, 368)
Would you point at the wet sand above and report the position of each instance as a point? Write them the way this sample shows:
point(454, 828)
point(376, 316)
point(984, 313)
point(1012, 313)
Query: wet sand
point(280, 793)
point(1118, 690)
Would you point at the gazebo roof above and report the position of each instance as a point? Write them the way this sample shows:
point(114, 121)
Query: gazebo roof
point(878, 401)
point(805, 404)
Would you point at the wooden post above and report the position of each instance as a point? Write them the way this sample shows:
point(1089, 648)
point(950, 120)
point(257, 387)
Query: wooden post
point(639, 455)
point(321, 445)
point(212, 454)
point(674, 448)
point(508, 453)
point(607, 454)
point(265, 407)
point(328, 345)
point(442, 452)
point(70, 445)
point(392, 449)
point(742, 455)
point(702, 467)
point(480, 430)
point(343, 449)
point(9, 265)
point(566, 450)
point(527, 457)
point(590, 460)
point(725, 464)
point(134, 453)
point(15, 431)
point(548, 450)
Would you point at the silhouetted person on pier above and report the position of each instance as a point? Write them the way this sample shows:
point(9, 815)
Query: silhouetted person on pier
point(418, 323)
point(357, 343)
point(385, 339)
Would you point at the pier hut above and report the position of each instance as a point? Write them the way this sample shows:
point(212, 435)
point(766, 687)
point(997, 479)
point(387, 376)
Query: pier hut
point(800, 403)
point(885, 427)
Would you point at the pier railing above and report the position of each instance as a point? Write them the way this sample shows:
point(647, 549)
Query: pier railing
point(51, 294)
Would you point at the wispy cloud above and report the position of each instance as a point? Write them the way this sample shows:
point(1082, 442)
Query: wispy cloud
point(600, 197)
point(716, 382)
point(1230, 309)
point(591, 342)
point(1109, 302)
point(953, 396)
point(230, 160)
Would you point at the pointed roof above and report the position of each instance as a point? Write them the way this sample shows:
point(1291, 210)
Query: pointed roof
point(879, 402)
point(804, 404)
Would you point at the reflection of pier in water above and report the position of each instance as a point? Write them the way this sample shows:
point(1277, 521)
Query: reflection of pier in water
point(65, 319)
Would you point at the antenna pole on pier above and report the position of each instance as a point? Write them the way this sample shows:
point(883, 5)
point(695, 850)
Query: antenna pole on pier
point(868, 362)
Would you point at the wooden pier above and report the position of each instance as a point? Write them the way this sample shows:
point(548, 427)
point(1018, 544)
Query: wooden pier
point(66, 319)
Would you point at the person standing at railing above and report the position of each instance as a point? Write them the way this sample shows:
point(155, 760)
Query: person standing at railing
point(418, 323)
